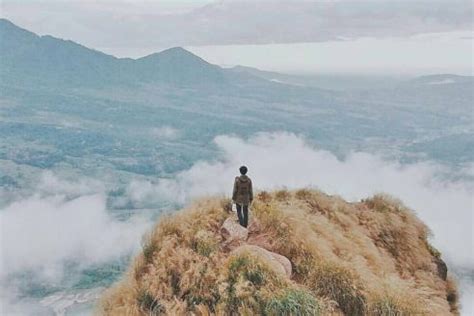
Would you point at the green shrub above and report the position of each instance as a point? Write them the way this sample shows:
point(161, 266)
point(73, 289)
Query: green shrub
point(249, 269)
point(293, 302)
point(247, 283)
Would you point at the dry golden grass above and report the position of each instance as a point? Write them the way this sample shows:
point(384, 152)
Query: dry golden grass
point(367, 258)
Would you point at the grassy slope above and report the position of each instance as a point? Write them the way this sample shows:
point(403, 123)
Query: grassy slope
point(367, 258)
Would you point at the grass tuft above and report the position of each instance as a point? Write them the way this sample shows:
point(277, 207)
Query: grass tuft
point(391, 306)
point(282, 195)
point(303, 194)
point(205, 243)
point(384, 203)
point(149, 304)
point(340, 285)
point(293, 302)
point(149, 248)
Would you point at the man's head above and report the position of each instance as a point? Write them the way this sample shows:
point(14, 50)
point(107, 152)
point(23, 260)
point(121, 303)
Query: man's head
point(243, 170)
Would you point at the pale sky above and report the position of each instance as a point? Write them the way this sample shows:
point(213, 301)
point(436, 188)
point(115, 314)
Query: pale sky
point(449, 52)
point(290, 35)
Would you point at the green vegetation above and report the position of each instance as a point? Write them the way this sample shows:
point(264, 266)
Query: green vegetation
point(293, 302)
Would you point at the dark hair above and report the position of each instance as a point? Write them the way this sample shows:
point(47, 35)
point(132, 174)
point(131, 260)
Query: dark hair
point(243, 170)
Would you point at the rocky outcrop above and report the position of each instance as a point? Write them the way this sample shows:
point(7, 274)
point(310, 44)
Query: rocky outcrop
point(442, 268)
point(278, 263)
point(235, 240)
point(233, 233)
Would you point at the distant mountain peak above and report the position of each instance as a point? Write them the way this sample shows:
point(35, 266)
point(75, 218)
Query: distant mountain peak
point(175, 50)
point(42, 60)
point(179, 66)
point(174, 53)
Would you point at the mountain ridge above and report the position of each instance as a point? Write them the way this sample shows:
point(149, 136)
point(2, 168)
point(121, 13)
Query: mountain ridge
point(33, 59)
point(304, 253)
point(30, 59)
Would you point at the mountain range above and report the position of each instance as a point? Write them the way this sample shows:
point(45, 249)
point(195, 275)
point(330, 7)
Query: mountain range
point(27, 58)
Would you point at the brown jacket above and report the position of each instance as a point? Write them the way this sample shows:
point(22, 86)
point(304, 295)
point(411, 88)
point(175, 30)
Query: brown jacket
point(242, 193)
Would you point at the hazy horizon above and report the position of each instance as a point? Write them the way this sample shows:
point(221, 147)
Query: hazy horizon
point(390, 57)
point(382, 37)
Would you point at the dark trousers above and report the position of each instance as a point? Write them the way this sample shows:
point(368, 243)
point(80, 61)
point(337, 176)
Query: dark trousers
point(243, 218)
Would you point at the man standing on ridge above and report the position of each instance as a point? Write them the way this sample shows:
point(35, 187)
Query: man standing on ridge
point(242, 195)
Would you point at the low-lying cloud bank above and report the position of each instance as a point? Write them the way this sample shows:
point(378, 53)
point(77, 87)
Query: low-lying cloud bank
point(64, 223)
point(41, 234)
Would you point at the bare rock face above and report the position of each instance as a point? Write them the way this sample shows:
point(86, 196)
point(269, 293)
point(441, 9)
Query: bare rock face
point(235, 240)
point(285, 262)
point(233, 233)
point(442, 268)
point(280, 264)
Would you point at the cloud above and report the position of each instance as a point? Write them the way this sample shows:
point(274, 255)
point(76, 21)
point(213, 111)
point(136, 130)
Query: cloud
point(134, 29)
point(51, 184)
point(64, 222)
point(42, 234)
point(287, 160)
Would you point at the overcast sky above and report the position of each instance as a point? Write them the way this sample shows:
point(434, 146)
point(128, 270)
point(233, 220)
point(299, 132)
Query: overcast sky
point(134, 28)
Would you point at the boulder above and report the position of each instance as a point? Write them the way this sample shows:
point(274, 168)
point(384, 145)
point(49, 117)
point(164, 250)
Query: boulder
point(278, 263)
point(234, 235)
